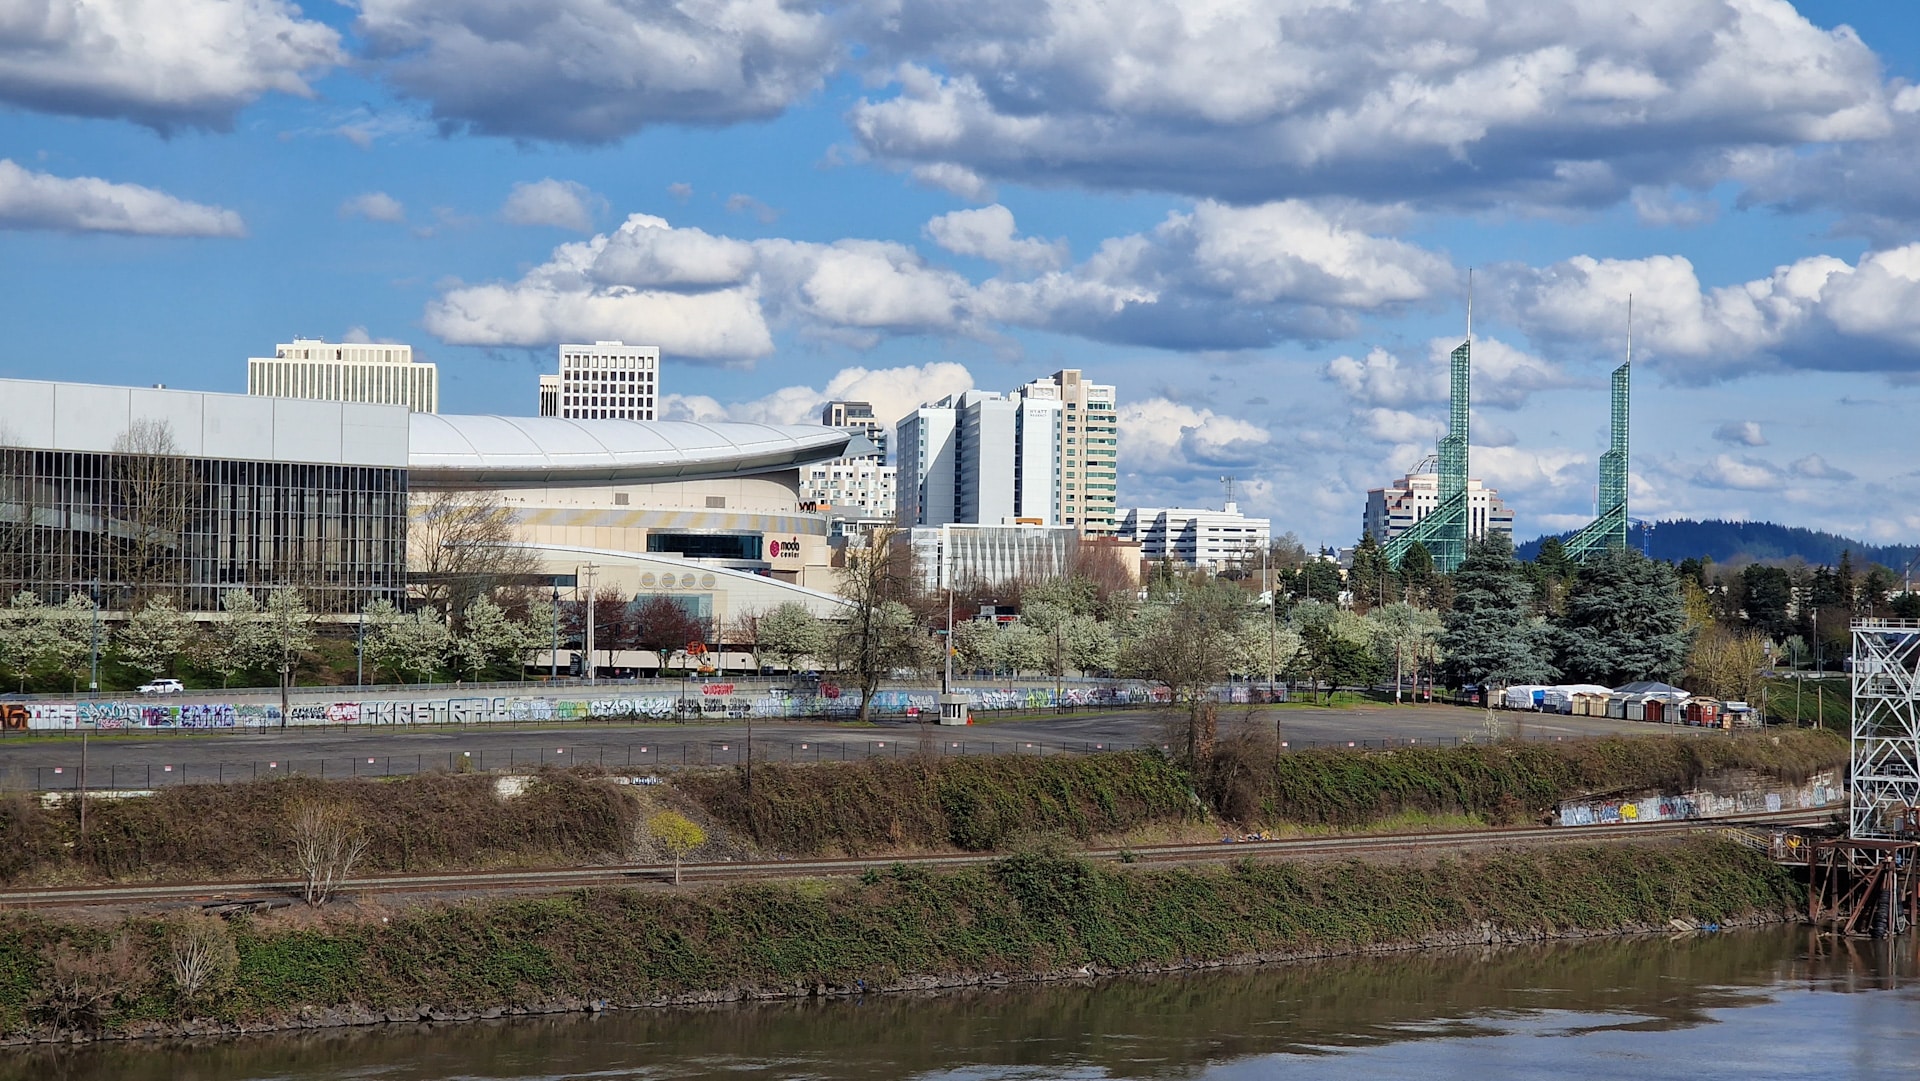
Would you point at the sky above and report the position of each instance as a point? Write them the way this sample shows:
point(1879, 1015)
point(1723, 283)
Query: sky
point(1258, 218)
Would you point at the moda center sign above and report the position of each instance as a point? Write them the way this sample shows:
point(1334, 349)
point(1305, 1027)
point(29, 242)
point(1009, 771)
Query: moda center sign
point(783, 548)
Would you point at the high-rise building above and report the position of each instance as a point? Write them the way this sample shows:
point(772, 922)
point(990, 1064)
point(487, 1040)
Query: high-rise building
point(549, 395)
point(857, 417)
point(378, 373)
point(925, 448)
point(1395, 509)
point(1086, 477)
point(609, 381)
point(1207, 539)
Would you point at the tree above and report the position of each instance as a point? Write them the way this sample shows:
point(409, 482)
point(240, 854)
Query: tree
point(678, 834)
point(417, 642)
point(155, 636)
point(1769, 593)
point(375, 618)
point(612, 629)
point(1335, 645)
point(1626, 620)
point(1372, 577)
point(1491, 636)
point(660, 624)
point(464, 545)
point(67, 636)
point(327, 842)
point(487, 636)
point(241, 646)
point(790, 633)
point(1402, 634)
point(880, 633)
point(288, 629)
point(152, 494)
point(1417, 570)
point(744, 630)
point(1187, 644)
point(1726, 664)
point(23, 625)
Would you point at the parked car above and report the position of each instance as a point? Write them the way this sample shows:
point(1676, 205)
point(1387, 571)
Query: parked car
point(163, 686)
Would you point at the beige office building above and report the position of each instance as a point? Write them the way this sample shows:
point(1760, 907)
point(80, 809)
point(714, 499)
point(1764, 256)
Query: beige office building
point(375, 373)
point(606, 381)
point(1086, 467)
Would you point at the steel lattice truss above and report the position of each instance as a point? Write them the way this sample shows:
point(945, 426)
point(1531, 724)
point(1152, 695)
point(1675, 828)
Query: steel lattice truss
point(1608, 531)
point(1885, 786)
point(1443, 532)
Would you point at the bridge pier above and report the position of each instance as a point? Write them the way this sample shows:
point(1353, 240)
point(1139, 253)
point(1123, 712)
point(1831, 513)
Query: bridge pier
point(1864, 887)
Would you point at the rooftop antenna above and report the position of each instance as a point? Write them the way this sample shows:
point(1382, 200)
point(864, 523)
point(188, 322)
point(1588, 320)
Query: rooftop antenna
point(1228, 481)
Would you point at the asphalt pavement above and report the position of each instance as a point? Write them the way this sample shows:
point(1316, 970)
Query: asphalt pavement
point(138, 759)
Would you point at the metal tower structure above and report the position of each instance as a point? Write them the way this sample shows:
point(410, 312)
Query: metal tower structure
point(1443, 532)
point(1608, 530)
point(1883, 795)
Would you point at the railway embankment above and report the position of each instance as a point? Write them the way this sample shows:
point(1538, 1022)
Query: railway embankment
point(878, 807)
point(1038, 913)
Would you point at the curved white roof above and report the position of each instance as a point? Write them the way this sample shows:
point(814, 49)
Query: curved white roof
point(464, 451)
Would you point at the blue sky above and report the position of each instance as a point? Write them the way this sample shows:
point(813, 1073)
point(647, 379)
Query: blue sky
point(1256, 217)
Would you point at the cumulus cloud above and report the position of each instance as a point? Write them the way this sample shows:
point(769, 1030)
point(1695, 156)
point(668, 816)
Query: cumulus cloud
point(988, 233)
point(1745, 433)
point(1400, 426)
point(738, 203)
point(1819, 312)
point(1744, 473)
point(1216, 277)
point(1503, 375)
point(374, 206)
point(1158, 435)
point(87, 204)
point(953, 179)
point(1554, 101)
point(1522, 471)
point(562, 204)
point(1814, 467)
point(893, 393)
point(593, 71)
point(181, 63)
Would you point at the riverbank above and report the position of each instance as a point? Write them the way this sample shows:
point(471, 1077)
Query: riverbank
point(1035, 915)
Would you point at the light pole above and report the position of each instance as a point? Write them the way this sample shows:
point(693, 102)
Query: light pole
point(588, 642)
point(553, 654)
point(360, 650)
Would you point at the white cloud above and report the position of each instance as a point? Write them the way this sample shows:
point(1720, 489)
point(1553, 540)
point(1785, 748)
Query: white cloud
point(1399, 426)
point(374, 206)
point(1814, 467)
point(1553, 101)
point(988, 233)
point(955, 180)
point(1662, 208)
point(1818, 313)
point(1158, 435)
point(1745, 433)
point(593, 71)
point(1744, 473)
point(1503, 376)
point(1203, 279)
point(893, 392)
point(738, 203)
point(562, 204)
point(1521, 471)
point(165, 65)
point(87, 204)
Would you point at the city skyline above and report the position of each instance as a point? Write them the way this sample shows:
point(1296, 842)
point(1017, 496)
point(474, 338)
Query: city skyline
point(798, 207)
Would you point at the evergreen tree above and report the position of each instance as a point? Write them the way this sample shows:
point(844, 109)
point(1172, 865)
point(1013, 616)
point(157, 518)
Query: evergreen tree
point(1492, 637)
point(1769, 595)
point(1372, 578)
point(1626, 620)
point(1417, 573)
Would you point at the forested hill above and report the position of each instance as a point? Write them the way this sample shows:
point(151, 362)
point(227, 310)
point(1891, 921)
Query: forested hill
point(1729, 542)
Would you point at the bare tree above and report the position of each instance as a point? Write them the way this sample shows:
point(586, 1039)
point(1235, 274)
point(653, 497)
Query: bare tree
point(464, 545)
point(880, 633)
point(152, 496)
point(201, 956)
point(327, 843)
point(1187, 645)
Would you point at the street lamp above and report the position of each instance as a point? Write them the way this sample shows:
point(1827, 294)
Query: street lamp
point(553, 654)
point(93, 679)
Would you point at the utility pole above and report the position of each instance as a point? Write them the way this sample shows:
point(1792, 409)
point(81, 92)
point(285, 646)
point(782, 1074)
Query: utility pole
point(553, 654)
point(360, 650)
point(588, 642)
point(946, 571)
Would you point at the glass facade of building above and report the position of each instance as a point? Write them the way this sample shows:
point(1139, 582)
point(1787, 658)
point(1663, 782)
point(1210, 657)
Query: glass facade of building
point(132, 526)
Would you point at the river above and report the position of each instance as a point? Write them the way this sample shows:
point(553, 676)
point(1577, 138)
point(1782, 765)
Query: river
point(1743, 1006)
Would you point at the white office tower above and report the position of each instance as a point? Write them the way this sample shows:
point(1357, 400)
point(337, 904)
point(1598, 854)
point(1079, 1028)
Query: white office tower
point(925, 451)
point(549, 395)
point(1203, 538)
point(609, 381)
point(374, 373)
point(1086, 478)
point(1394, 509)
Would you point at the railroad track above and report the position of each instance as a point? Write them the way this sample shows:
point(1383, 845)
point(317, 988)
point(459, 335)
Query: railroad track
point(213, 894)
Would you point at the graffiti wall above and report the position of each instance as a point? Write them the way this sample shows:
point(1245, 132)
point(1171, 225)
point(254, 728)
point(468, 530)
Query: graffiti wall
point(717, 701)
point(1822, 790)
